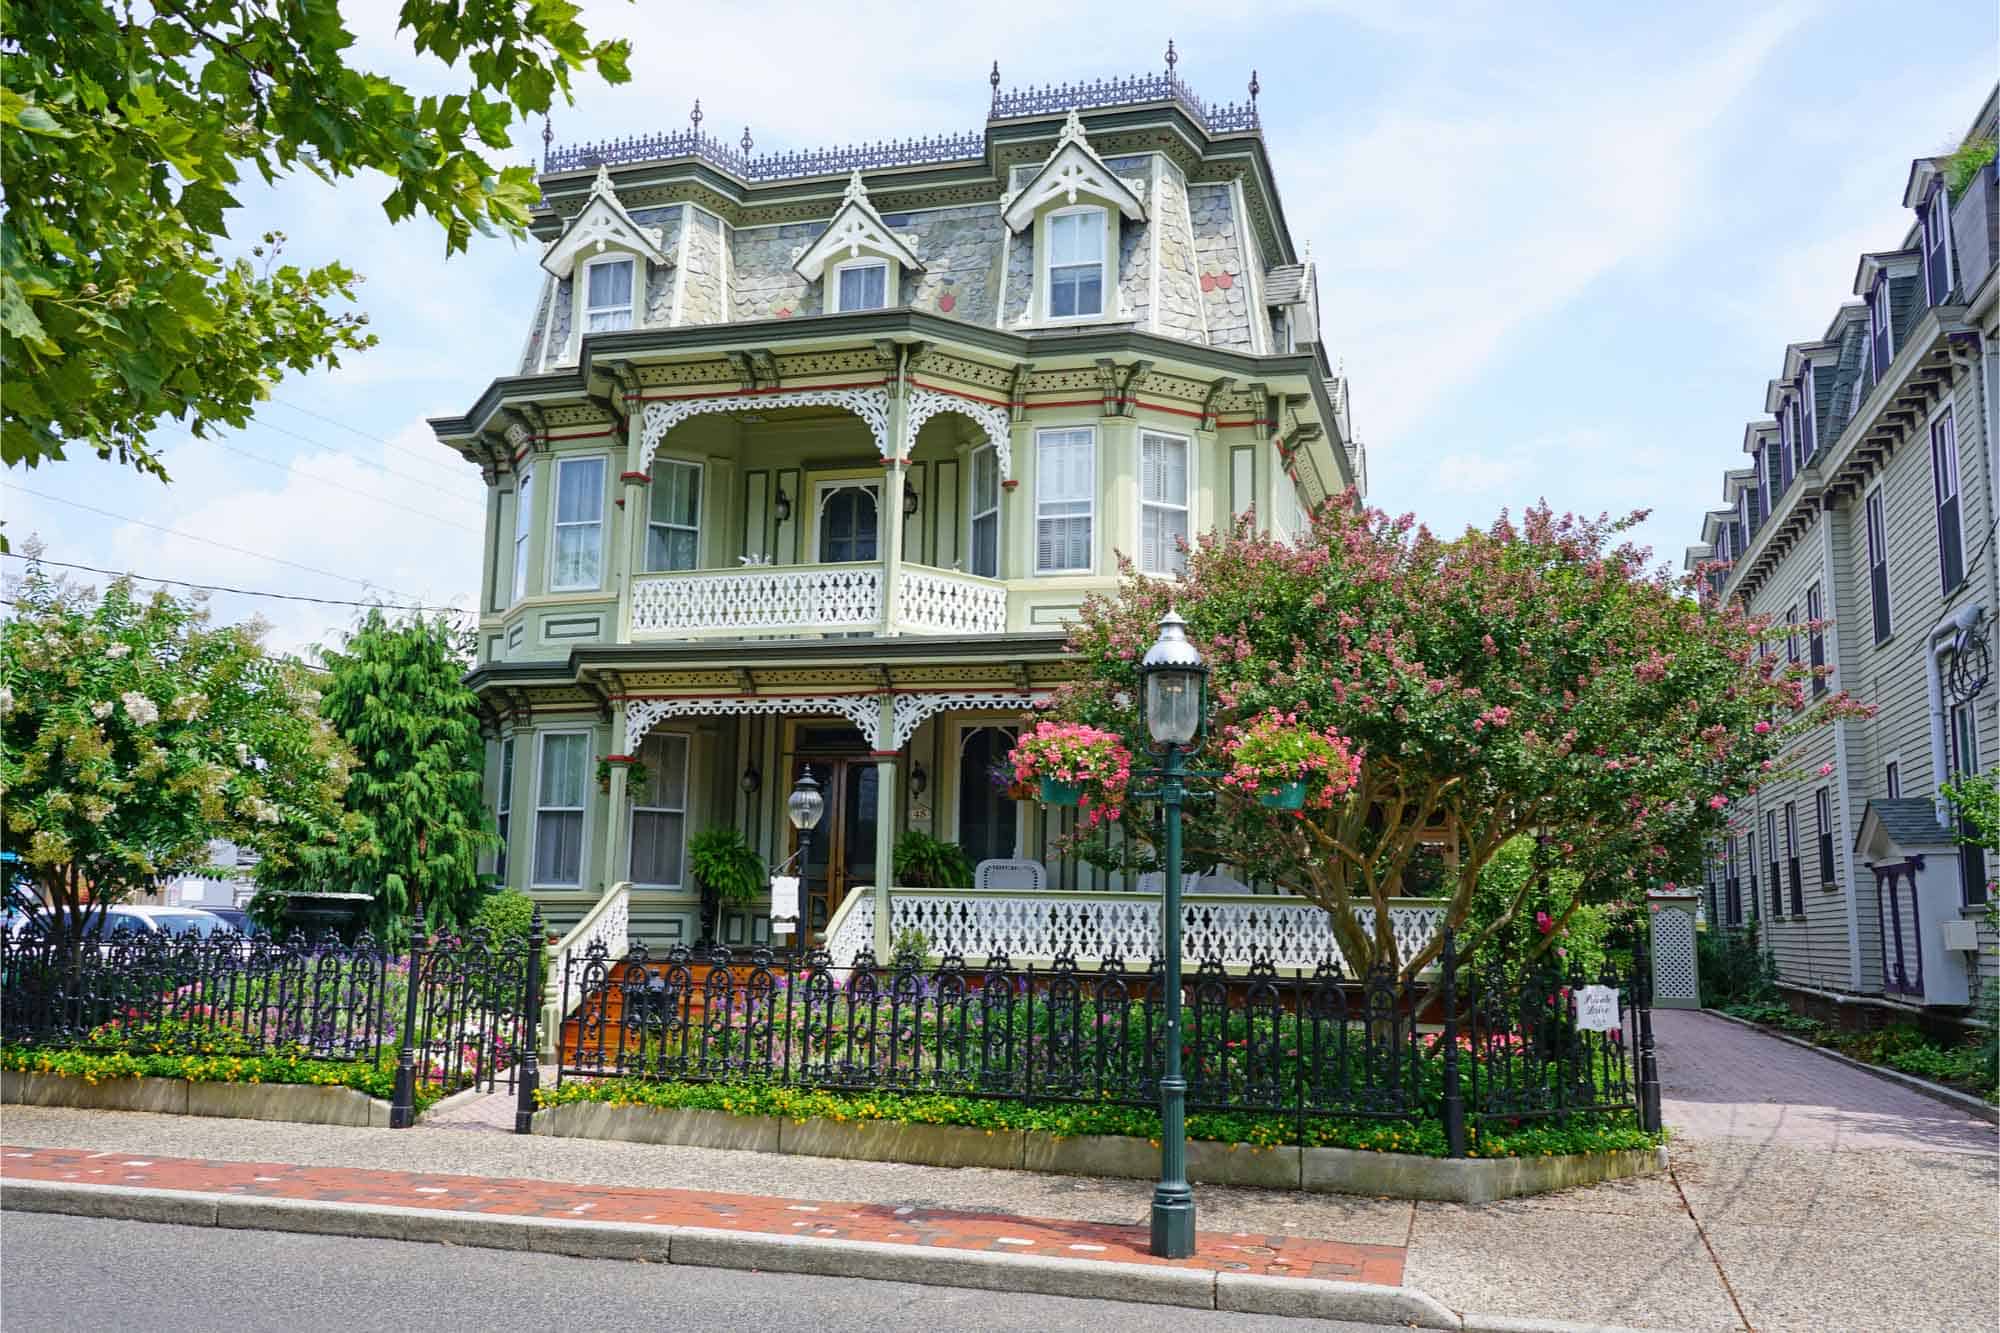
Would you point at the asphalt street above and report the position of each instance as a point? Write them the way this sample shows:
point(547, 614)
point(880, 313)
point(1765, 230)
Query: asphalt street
point(61, 1273)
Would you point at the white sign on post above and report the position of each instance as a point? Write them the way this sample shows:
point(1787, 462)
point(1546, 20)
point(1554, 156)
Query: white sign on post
point(1597, 1008)
point(784, 903)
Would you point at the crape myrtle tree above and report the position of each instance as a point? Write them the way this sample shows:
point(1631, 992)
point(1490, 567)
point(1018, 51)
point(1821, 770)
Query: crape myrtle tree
point(1534, 678)
point(126, 131)
point(133, 733)
point(395, 693)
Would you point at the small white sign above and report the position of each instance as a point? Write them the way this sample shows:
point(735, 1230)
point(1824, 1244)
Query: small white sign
point(784, 903)
point(1597, 1008)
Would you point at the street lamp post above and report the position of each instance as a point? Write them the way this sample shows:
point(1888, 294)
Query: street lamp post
point(803, 808)
point(1173, 696)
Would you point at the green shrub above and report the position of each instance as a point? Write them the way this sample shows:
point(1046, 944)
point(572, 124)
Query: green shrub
point(504, 915)
point(1544, 893)
point(1965, 163)
point(1735, 967)
point(924, 862)
point(725, 864)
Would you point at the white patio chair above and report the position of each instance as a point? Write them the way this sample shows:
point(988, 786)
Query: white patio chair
point(997, 874)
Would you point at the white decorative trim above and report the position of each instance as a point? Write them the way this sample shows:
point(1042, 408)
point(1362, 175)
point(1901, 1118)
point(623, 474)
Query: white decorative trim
point(871, 405)
point(863, 710)
point(603, 223)
point(1072, 170)
point(780, 599)
point(923, 404)
point(912, 710)
point(856, 229)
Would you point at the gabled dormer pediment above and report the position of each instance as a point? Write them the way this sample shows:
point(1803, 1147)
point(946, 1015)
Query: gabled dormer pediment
point(601, 226)
point(856, 231)
point(1890, 263)
point(1073, 174)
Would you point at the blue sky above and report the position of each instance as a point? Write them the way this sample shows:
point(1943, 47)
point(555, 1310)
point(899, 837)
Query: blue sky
point(1561, 249)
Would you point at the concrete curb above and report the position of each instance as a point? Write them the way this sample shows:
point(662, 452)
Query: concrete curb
point(1976, 1107)
point(703, 1247)
point(298, 1103)
point(1317, 1170)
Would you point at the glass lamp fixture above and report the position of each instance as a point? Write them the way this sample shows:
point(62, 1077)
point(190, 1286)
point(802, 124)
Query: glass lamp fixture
point(1175, 686)
point(805, 805)
point(783, 506)
point(751, 780)
point(910, 500)
point(918, 780)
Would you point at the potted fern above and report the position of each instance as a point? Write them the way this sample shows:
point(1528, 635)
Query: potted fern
point(924, 862)
point(727, 870)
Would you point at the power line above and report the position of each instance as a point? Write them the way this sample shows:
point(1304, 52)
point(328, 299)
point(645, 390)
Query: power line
point(217, 587)
point(206, 541)
point(355, 430)
point(351, 490)
point(380, 467)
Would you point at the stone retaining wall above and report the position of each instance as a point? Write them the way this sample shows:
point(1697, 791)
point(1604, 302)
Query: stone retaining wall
point(1320, 1170)
point(301, 1103)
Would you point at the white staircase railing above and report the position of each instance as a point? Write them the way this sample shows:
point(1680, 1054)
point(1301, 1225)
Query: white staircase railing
point(609, 920)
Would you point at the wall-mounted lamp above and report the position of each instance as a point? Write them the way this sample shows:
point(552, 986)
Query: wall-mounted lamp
point(910, 500)
point(784, 506)
point(918, 780)
point(751, 780)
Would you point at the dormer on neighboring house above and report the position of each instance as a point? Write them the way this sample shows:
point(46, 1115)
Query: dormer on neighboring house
point(1760, 441)
point(859, 258)
point(1739, 487)
point(1805, 387)
point(1926, 194)
point(1068, 215)
point(1889, 282)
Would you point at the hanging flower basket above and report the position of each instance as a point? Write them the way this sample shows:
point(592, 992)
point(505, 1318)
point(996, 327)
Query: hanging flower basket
point(1057, 792)
point(1284, 796)
point(1287, 766)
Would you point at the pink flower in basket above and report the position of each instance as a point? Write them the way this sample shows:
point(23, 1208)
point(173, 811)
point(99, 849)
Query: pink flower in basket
point(1089, 757)
point(1276, 749)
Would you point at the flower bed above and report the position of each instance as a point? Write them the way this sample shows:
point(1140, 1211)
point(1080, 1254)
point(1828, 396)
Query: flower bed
point(376, 1079)
point(1594, 1133)
point(1966, 1067)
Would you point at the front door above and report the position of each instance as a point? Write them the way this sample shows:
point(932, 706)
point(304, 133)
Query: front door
point(840, 852)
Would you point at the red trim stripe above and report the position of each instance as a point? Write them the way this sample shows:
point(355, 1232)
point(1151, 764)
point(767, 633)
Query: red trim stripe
point(756, 393)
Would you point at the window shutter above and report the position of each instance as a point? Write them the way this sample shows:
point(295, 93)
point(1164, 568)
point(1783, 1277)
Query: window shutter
point(1944, 477)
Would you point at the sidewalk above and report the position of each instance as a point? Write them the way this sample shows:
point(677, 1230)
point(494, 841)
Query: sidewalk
point(1803, 1195)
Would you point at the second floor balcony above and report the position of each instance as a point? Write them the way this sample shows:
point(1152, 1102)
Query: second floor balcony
point(850, 597)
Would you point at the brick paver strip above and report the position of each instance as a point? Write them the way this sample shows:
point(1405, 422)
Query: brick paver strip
point(1271, 1255)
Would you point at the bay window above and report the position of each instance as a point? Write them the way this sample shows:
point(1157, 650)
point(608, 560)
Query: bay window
point(673, 516)
point(578, 551)
point(561, 772)
point(503, 807)
point(1065, 499)
point(524, 519)
point(607, 299)
point(1163, 503)
point(1076, 263)
point(659, 813)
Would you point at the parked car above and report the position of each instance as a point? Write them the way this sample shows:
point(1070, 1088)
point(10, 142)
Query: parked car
point(155, 921)
point(236, 919)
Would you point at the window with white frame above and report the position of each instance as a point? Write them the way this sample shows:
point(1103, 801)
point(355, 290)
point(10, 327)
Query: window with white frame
point(985, 544)
point(1808, 411)
point(1792, 634)
point(1892, 780)
point(561, 778)
point(1792, 871)
point(660, 811)
point(1878, 565)
point(1823, 824)
point(1937, 246)
point(1163, 502)
point(1964, 764)
point(1771, 849)
point(673, 516)
point(1816, 637)
point(861, 285)
point(1065, 499)
point(1076, 263)
point(577, 557)
point(607, 295)
point(1944, 479)
point(503, 807)
point(1788, 454)
point(524, 519)
point(1854, 394)
point(1881, 335)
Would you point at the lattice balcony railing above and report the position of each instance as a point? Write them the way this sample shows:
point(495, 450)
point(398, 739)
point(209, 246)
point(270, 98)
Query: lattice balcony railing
point(782, 599)
point(938, 601)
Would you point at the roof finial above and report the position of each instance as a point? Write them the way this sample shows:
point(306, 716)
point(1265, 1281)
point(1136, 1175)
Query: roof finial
point(1172, 59)
point(993, 80)
point(548, 135)
point(1255, 88)
point(746, 141)
point(1072, 130)
point(694, 116)
point(857, 193)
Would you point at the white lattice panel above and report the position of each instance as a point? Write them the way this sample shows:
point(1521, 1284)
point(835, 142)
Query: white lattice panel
point(1673, 956)
point(936, 602)
point(912, 709)
point(855, 931)
point(863, 710)
point(773, 600)
point(870, 404)
point(923, 404)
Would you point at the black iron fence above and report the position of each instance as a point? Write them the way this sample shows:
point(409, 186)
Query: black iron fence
point(451, 1011)
point(1471, 1046)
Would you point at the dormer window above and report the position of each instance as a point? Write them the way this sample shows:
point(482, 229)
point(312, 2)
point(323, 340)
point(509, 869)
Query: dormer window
point(1880, 335)
point(1076, 263)
point(1807, 403)
point(1936, 214)
point(607, 302)
point(863, 285)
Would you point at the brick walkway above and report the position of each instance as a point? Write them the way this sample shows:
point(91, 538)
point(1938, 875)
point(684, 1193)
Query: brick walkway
point(1270, 1255)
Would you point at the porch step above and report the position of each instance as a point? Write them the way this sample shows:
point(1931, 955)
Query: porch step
point(608, 1008)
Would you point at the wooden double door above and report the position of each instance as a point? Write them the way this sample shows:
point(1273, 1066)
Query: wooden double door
point(840, 852)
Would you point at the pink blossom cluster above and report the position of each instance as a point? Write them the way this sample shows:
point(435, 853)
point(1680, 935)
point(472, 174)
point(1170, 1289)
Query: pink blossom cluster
point(1091, 757)
point(1276, 748)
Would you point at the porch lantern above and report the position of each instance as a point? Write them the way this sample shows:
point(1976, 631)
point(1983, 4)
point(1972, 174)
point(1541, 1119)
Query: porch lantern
point(752, 781)
point(1175, 690)
point(783, 506)
point(1174, 698)
point(910, 500)
point(804, 806)
point(918, 779)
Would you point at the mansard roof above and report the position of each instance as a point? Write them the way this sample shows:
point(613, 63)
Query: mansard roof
point(856, 229)
point(1071, 172)
point(601, 224)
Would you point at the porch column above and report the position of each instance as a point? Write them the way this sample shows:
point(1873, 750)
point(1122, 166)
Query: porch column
point(617, 861)
point(891, 517)
point(885, 825)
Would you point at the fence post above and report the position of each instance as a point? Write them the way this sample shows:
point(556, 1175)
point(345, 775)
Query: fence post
point(1649, 1066)
point(528, 1073)
point(1454, 1095)
point(403, 1109)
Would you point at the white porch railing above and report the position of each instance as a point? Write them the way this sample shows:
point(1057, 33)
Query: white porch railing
point(609, 920)
point(944, 601)
point(766, 599)
point(1237, 928)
